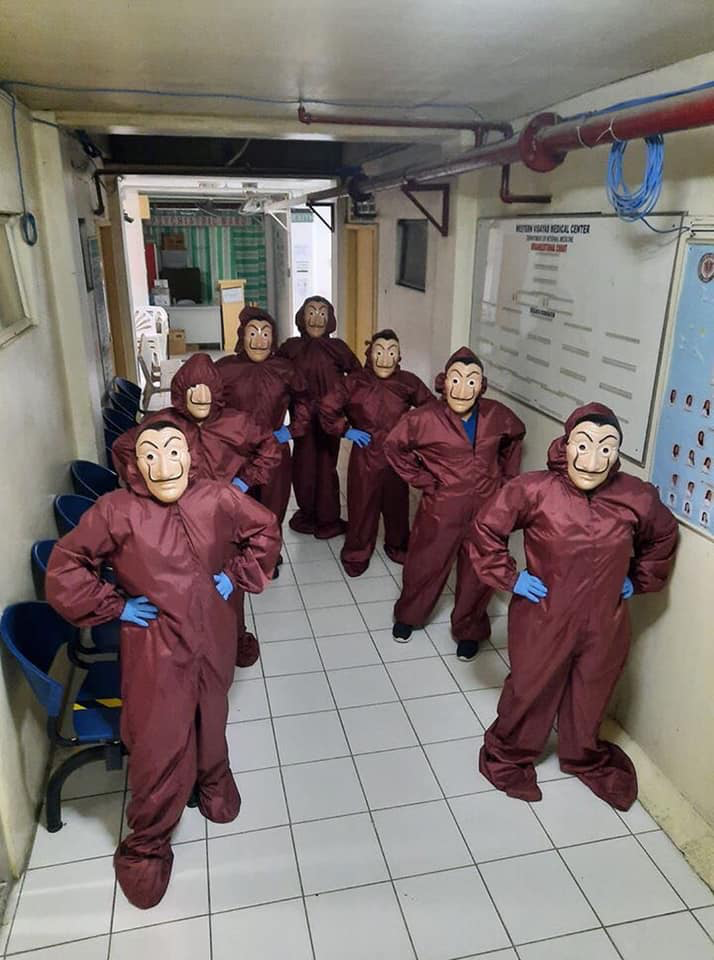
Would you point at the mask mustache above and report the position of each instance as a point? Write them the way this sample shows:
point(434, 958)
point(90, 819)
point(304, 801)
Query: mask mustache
point(166, 479)
point(590, 473)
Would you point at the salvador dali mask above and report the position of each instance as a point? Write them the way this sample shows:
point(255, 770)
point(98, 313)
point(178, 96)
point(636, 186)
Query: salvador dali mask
point(163, 459)
point(385, 357)
point(591, 451)
point(258, 340)
point(462, 387)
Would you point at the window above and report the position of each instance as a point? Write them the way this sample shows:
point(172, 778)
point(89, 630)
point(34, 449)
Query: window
point(411, 254)
point(14, 317)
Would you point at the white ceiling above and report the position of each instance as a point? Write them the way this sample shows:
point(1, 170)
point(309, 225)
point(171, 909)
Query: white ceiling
point(504, 57)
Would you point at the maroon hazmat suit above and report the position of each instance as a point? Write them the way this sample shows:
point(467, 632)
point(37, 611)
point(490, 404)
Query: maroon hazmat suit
point(223, 445)
point(323, 361)
point(568, 650)
point(430, 450)
point(176, 672)
point(267, 390)
point(370, 403)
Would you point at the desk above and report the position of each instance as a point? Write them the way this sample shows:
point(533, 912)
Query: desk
point(202, 324)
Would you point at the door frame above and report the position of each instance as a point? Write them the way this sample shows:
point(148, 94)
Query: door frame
point(358, 286)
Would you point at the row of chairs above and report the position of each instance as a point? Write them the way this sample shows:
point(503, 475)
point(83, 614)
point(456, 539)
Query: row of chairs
point(34, 634)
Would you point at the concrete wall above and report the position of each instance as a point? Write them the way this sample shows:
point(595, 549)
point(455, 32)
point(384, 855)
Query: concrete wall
point(46, 399)
point(665, 701)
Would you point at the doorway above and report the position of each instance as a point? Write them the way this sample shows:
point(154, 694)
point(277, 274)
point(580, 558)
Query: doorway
point(361, 271)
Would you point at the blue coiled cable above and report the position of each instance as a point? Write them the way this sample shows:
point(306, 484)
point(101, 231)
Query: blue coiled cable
point(632, 205)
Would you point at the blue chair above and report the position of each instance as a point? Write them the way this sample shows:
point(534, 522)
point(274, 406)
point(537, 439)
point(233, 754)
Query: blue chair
point(92, 480)
point(128, 388)
point(110, 436)
point(68, 509)
point(105, 637)
point(116, 420)
point(122, 403)
point(39, 558)
point(33, 634)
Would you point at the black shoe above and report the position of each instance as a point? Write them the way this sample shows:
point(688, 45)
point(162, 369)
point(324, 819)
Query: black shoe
point(401, 632)
point(193, 799)
point(276, 573)
point(466, 649)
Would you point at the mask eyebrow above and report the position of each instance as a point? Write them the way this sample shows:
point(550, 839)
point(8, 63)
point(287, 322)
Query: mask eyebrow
point(585, 433)
point(171, 439)
point(610, 436)
point(154, 445)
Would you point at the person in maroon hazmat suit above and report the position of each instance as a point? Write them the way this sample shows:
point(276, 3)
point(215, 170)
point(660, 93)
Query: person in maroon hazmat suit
point(224, 445)
point(363, 408)
point(323, 360)
point(458, 451)
point(178, 550)
point(258, 382)
point(593, 536)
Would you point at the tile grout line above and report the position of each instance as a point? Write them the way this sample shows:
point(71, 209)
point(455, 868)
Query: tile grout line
point(458, 826)
point(630, 835)
point(14, 914)
point(366, 801)
point(116, 884)
point(575, 879)
point(289, 816)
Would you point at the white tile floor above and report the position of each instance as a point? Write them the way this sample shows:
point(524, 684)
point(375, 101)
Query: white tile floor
point(366, 830)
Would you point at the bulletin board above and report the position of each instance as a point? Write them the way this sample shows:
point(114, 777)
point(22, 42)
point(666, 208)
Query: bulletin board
point(682, 467)
point(569, 309)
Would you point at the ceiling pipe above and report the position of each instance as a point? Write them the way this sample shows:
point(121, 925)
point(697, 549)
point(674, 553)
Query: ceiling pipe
point(545, 141)
point(476, 127)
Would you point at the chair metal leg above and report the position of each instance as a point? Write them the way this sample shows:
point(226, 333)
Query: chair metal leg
point(53, 804)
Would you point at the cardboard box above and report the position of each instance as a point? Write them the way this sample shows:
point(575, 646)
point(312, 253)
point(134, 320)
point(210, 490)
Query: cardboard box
point(232, 295)
point(177, 341)
point(173, 241)
point(193, 347)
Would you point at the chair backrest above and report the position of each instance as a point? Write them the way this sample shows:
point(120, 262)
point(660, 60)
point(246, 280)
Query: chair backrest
point(151, 320)
point(149, 361)
point(68, 509)
point(127, 388)
point(92, 480)
point(33, 633)
point(39, 558)
point(124, 404)
point(110, 435)
point(116, 420)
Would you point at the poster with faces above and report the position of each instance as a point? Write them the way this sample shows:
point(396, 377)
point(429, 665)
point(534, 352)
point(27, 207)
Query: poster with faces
point(682, 468)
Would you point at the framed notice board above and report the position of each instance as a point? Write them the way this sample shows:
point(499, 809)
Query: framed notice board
point(571, 308)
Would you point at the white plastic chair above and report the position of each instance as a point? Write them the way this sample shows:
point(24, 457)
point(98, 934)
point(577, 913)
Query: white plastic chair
point(150, 366)
point(150, 320)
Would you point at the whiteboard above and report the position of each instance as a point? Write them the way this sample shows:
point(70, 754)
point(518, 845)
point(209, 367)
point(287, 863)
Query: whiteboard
point(569, 309)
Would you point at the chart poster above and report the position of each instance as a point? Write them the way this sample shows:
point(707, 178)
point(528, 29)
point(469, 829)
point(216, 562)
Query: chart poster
point(682, 467)
point(572, 309)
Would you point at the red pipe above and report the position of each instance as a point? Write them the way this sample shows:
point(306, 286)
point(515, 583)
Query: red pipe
point(546, 140)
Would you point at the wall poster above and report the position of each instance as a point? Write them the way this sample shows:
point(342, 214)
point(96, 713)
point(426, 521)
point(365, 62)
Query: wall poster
point(682, 467)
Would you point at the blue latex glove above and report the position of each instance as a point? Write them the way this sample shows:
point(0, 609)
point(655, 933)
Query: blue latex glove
point(530, 587)
point(628, 588)
point(360, 437)
point(139, 610)
point(241, 484)
point(283, 435)
point(224, 584)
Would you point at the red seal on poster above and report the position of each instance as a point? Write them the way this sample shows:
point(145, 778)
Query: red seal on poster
point(705, 269)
